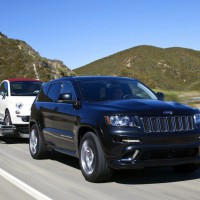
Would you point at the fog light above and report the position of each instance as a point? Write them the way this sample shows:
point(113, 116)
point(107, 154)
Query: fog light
point(135, 154)
point(25, 118)
point(131, 156)
point(130, 140)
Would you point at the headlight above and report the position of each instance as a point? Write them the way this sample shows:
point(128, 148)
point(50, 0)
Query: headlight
point(19, 105)
point(121, 121)
point(197, 118)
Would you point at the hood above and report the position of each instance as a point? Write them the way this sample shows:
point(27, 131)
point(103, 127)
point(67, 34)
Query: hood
point(145, 107)
point(25, 100)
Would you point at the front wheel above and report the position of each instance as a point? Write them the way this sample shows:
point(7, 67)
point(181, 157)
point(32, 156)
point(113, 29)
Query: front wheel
point(186, 167)
point(92, 160)
point(36, 145)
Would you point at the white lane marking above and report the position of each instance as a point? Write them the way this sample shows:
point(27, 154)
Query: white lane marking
point(23, 186)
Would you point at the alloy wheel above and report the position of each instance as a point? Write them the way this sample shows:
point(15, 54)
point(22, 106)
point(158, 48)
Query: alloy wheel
point(33, 142)
point(87, 158)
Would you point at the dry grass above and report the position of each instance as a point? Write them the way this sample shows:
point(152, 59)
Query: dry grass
point(191, 98)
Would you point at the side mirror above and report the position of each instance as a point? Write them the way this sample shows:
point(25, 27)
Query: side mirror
point(160, 96)
point(65, 97)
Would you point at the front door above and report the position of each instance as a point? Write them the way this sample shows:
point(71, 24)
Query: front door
point(59, 118)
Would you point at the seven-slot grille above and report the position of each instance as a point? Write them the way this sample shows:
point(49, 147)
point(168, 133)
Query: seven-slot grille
point(167, 124)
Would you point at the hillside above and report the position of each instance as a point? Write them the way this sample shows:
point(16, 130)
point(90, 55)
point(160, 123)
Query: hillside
point(168, 69)
point(18, 59)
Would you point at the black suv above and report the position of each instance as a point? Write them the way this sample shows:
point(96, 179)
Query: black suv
point(113, 123)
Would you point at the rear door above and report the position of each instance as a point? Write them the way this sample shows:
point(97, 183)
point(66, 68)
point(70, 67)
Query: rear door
point(49, 112)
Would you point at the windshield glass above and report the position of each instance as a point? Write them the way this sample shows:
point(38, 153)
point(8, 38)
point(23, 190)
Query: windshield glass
point(25, 88)
point(105, 89)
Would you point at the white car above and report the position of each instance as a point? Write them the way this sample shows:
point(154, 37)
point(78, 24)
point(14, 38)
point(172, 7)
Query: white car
point(16, 98)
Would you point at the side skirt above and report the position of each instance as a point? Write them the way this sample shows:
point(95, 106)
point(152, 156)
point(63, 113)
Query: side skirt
point(64, 151)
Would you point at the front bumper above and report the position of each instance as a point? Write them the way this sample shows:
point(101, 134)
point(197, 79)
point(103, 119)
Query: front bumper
point(132, 150)
point(154, 157)
point(20, 118)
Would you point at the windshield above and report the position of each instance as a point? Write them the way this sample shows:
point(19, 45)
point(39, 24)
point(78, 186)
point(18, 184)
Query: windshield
point(25, 88)
point(100, 90)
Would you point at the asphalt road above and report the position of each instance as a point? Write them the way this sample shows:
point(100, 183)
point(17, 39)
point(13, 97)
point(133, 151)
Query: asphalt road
point(59, 177)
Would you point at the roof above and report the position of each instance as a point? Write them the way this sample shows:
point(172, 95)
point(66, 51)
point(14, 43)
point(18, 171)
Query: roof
point(22, 79)
point(78, 78)
point(100, 77)
point(86, 78)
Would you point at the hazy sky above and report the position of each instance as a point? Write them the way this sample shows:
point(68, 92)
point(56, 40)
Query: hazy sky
point(78, 32)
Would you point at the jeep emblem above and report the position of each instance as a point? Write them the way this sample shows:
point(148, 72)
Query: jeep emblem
point(168, 112)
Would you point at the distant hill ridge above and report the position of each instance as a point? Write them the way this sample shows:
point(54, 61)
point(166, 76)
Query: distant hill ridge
point(18, 59)
point(164, 68)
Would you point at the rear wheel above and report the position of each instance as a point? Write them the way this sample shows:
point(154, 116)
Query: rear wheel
point(187, 167)
point(7, 118)
point(36, 145)
point(92, 160)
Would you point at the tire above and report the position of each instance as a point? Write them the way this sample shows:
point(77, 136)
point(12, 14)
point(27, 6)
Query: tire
point(92, 160)
point(36, 145)
point(186, 167)
point(7, 119)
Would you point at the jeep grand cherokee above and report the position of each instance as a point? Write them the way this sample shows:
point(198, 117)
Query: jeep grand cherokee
point(113, 123)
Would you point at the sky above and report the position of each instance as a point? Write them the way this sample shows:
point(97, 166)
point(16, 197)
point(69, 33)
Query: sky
point(79, 32)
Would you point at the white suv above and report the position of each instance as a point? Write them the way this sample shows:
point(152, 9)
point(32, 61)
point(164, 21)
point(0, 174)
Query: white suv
point(16, 98)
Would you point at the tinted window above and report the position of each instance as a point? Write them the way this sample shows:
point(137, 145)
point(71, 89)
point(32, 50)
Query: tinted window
point(25, 88)
point(67, 87)
point(43, 93)
point(54, 92)
point(105, 89)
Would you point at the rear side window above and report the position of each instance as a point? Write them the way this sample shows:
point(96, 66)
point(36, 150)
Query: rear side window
point(43, 93)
